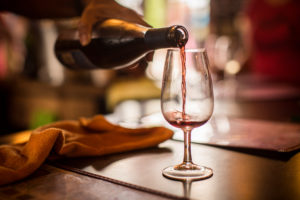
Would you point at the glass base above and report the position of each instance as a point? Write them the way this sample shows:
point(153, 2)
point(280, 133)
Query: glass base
point(192, 172)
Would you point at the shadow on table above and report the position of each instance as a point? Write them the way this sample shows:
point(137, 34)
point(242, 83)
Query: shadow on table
point(101, 162)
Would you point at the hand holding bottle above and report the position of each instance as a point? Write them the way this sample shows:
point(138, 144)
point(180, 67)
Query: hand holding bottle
point(116, 44)
point(97, 11)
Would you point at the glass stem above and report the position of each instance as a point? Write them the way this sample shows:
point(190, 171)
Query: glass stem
point(187, 146)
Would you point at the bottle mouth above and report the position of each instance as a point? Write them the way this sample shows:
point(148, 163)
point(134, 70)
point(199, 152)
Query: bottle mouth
point(180, 34)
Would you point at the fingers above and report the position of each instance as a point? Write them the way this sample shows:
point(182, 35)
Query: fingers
point(84, 31)
point(85, 26)
point(99, 10)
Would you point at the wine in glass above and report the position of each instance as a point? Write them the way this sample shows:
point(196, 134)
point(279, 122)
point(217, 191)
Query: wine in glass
point(187, 102)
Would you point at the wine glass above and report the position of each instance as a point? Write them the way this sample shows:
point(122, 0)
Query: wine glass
point(187, 102)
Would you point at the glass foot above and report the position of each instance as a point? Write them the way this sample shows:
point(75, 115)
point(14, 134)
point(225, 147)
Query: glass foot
point(196, 172)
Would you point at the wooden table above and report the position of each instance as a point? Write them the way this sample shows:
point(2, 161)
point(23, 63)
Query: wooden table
point(238, 173)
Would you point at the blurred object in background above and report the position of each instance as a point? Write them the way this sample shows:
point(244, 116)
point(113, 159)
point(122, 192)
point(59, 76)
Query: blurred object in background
point(52, 71)
point(41, 117)
point(32, 103)
point(155, 12)
point(274, 38)
point(228, 58)
point(13, 30)
point(224, 43)
point(155, 68)
point(102, 78)
point(34, 51)
point(128, 88)
point(199, 19)
point(136, 5)
point(228, 55)
point(223, 16)
point(35, 89)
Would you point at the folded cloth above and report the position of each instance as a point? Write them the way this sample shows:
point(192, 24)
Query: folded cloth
point(85, 137)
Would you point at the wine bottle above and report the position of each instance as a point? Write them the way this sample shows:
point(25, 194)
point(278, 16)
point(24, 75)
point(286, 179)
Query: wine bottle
point(115, 44)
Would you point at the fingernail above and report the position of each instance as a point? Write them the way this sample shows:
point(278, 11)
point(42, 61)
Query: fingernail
point(84, 39)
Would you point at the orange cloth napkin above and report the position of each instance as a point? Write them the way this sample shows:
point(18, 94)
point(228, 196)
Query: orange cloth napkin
point(85, 137)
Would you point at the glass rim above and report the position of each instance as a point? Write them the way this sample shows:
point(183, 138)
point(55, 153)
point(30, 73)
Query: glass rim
point(191, 50)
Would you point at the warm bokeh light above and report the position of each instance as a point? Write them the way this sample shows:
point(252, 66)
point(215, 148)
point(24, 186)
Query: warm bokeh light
point(232, 67)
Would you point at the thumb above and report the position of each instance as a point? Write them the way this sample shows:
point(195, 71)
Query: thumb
point(85, 32)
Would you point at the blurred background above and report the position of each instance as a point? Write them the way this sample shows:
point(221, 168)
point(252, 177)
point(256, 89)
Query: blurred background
point(259, 38)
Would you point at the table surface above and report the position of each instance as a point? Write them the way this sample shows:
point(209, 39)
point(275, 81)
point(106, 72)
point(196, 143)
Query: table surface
point(238, 173)
point(255, 175)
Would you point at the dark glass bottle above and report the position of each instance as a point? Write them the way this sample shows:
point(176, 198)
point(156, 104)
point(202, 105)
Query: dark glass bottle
point(116, 44)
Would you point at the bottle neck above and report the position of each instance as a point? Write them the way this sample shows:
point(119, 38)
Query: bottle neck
point(174, 36)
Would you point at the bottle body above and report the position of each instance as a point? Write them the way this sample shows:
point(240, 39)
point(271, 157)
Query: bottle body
point(114, 44)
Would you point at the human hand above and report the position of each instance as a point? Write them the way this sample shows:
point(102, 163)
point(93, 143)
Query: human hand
point(100, 10)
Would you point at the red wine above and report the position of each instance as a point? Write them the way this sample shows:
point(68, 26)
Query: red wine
point(184, 120)
point(190, 124)
point(183, 81)
point(116, 44)
point(175, 119)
